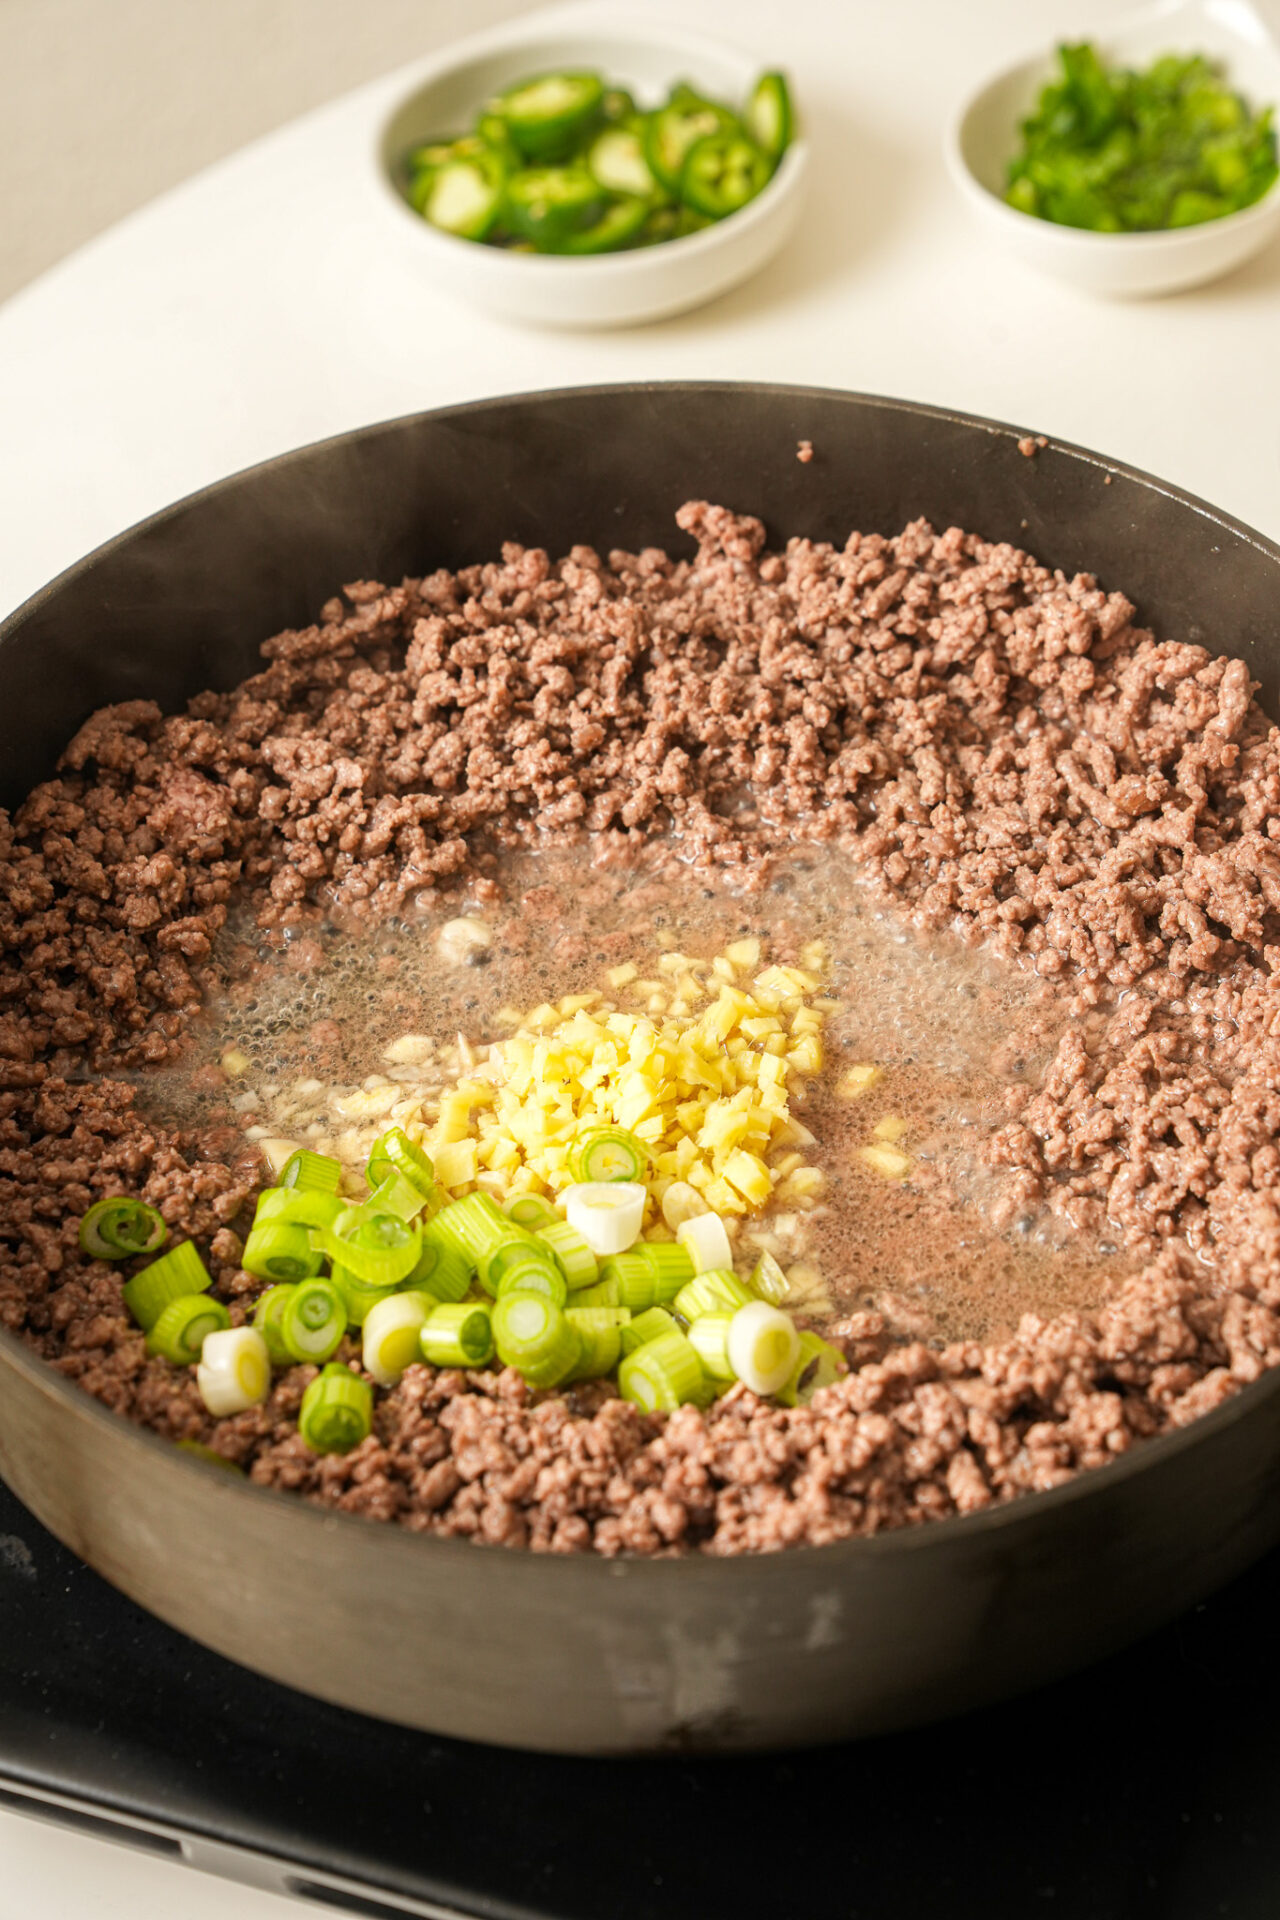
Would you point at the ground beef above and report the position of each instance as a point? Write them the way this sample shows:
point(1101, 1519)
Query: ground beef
point(1002, 751)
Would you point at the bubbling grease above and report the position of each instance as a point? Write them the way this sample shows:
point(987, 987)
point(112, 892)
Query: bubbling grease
point(951, 1028)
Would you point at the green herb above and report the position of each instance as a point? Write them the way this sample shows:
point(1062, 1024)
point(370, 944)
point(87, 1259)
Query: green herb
point(1116, 151)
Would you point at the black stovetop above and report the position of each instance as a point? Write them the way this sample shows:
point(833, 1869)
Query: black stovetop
point(1148, 1789)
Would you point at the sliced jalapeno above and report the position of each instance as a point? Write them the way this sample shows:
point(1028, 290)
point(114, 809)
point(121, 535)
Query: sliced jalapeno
point(721, 173)
point(494, 131)
point(616, 158)
point(464, 195)
point(617, 104)
point(617, 226)
point(768, 117)
point(678, 126)
point(548, 204)
point(549, 115)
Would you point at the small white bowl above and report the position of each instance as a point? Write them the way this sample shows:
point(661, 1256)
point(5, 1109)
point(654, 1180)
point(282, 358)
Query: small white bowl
point(605, 290)
point(984, 136)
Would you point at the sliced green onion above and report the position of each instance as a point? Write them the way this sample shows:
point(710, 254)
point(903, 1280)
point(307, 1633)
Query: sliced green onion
point(234, 1373)
point(532, 1335)
point(120, 1228)
point(818, 1366)
point(709, 1337)
point(662, 1374)
point(768, 1281)
point(530, 1210)
point(309, 1172)
point(275, 1251)
point(210, 1455)
point(266, 1318)
point(721, 1292)
point(179, 1271)
point(607, 1213)
point(606, 1293)
point(669, 1263)
point(440, 1271)
point(532, 1275)
point(313, 1320)
point(357, 1298)
point(179, 1333)
point(647, 1326)
point(706, 1241)
point(336, 1412)
point(600, 1339)
point(395, 1152)
point(297, 1207)
point(517, 1249)
point(398, 1196)
point(609, 1155)
point(764, 1346)
point(379, 1248)
point(472, 1227)
point(458, 1334)
point(391, 1332)
point(575, 1258)
point(635, 1279)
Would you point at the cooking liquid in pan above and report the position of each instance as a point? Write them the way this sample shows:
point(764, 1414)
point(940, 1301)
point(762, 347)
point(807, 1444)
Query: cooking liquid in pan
point(951, 1028)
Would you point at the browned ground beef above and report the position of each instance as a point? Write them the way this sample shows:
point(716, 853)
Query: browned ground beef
point(1001, 749)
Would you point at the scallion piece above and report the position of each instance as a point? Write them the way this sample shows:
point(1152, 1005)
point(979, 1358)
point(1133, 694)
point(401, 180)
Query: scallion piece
point(395, 1152)
point(634, 1278)
point(818, 1366)
point(709, 1337)
point(276, 1251)
point(533, 1276)
point(764, 1346)
point(179, 1271)
point(378, 1248)
point(768, 1281)
point(179, 1333)
point(600, 1340)
point(605, 1293)
point(457, 1334)
point(720, 1292)
point(532, 1335)
point(297, 1207)
point(609, 1155)
point(357, 1298)
point(440, 1271)
point(647, 1326)
point(517, 1249)
point(234, 1373)
point(530, 1210)
point(308, 1172)
point(706, 1241)
point(662, 1374)
point(396, 1195)
point(669, 1263)
point(391, 1336)
point(313, 1320)
point(608, 1214)
point(121, 1228)
point(336, 1412)
point(472, 1227)
point(575, 1258)
point(266, 1318)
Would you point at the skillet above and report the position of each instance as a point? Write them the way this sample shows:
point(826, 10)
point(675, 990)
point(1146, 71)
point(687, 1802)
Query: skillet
point(580, 1654)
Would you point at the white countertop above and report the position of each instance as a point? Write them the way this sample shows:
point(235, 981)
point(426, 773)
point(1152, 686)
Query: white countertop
point(255, 309)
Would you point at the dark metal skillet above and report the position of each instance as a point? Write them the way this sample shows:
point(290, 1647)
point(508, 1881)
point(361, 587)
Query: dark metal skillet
point(583, 1654)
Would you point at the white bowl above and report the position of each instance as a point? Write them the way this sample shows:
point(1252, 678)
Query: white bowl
point(984, 135)
point(605, 290)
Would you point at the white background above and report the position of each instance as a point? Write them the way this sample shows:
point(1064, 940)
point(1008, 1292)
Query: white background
point(269, 302)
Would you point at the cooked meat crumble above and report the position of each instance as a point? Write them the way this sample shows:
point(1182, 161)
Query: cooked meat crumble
point(1002, 751)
